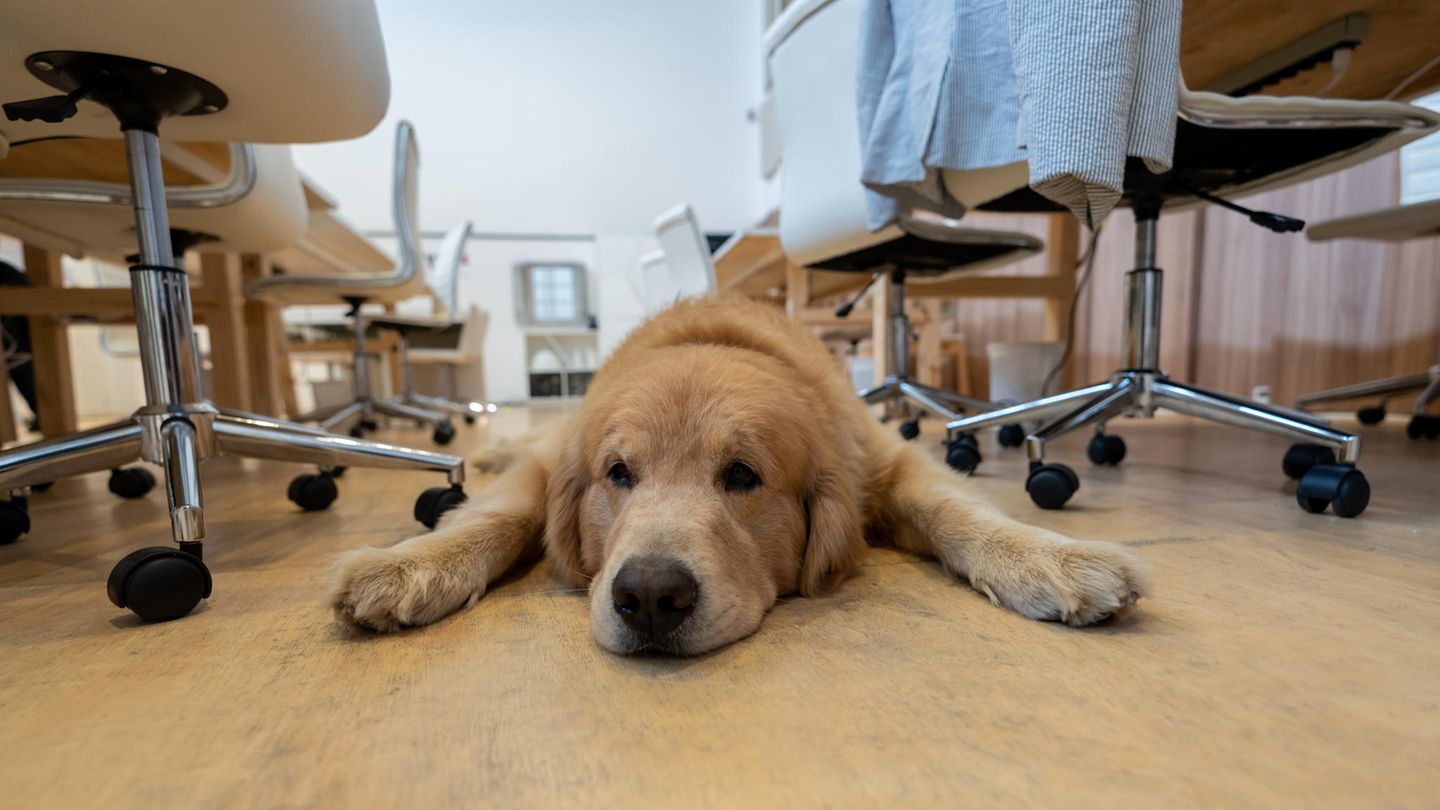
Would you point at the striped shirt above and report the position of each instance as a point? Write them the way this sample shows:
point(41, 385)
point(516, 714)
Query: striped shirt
point(1072, 87)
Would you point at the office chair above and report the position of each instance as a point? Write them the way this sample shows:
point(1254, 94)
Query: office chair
point(659, 292)
point(823, 221)
point(687, 259)
point(443, 279)
point(1224, 147)
point(405, 281)
point(1415, 221)
point(331, 84)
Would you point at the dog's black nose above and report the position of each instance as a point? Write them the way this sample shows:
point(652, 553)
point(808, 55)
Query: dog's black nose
point(654, 596)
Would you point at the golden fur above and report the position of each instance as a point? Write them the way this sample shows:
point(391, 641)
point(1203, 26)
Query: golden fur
point(699, 386)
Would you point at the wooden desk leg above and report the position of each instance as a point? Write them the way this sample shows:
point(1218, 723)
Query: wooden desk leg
point(390, 355)
point(224, 315)
point(927, 349)
point(268, 355)
point(880, 338)
point(797, 290)
point(1062, 249)
point(284, 369)
point(7, 414)
point(50, 345)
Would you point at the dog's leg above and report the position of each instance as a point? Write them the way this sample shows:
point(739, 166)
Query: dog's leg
point(1035, 572)
point(432, 575)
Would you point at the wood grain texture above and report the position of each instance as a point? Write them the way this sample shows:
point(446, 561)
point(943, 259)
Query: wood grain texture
point(8, 429)
point(1303, 316)
point(103, 160)
point(223, 288)
point(267, 352)
point(50, 348)
point(1284, 660)
point(1219, 36)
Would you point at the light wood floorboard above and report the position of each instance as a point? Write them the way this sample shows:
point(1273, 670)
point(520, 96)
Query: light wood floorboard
point(1285, 659)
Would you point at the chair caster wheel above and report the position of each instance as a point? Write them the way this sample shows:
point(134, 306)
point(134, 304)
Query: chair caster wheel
point(1301, 457)
point(131, 483)
point(1106, 450)
point(1373, 415)
point(1422, 426)
point(313, 492)
point(444, 433)
point(357, 432)
point(1339, 486)
point(14, 520)
point(435, 502)
point(469, 418)
point(45, 487)
point(159, 584)
point(963, 454)
point(1011, 435)
point(336, 472)
point(369, 425)
point(910, 429)
point(1051, 485)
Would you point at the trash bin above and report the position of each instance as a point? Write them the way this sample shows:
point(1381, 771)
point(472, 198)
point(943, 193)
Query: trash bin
point(1018, 370)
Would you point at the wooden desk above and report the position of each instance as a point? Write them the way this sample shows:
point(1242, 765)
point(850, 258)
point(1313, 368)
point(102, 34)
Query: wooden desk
point(1220, 36)
point(752, 263)
point(330, 247)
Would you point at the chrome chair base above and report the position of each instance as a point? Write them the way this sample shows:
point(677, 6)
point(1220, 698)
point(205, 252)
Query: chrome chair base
point(363, 409)
point(1322, 461)
point(177, 429)
point(1325, 457)
point(179, 441)
point(410, 402)
point(467, 409)
point(898, 389)
point(1422, 425)
point(936, 401)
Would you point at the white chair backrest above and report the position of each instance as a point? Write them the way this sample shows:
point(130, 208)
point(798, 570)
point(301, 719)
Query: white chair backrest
point(687, 253)
point(443, 277)
point(659, 290)
point(814, 56)
point(405, 203)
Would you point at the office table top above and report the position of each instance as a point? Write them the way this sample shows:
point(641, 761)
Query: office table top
point(1414, 221)
point(1220, 36)
point(752, 263)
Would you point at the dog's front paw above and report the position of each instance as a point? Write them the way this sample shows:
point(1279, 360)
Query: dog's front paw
point(386, 589)
point(1057, 579)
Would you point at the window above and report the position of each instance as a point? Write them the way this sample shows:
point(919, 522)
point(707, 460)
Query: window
point(1420, 162)
point(551, 294)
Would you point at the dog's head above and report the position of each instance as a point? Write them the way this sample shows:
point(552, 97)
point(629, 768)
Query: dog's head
point(694, 489)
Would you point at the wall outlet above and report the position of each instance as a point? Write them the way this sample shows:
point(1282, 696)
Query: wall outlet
point(1260, 393)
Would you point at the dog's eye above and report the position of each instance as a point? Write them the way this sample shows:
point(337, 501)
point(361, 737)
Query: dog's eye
point(619, 475)
point(740, 478)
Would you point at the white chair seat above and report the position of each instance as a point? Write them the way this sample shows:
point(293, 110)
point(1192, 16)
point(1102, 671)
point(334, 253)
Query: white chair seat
point(1231, 147)
point(295, 71)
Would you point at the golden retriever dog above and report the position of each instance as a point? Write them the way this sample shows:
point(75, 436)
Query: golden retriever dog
point(718, 461)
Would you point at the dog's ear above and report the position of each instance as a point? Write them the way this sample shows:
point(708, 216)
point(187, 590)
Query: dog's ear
point(834, 532)
point(566, 490)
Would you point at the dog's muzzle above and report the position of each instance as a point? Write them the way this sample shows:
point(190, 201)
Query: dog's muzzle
point(654, 596)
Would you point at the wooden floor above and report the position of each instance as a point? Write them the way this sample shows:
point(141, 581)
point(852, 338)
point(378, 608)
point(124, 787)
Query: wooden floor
point(1285, 659)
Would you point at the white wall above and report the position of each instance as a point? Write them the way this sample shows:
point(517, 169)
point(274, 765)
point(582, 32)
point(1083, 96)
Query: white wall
point(622, 287)
point(488, 280)
point(563, 116)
